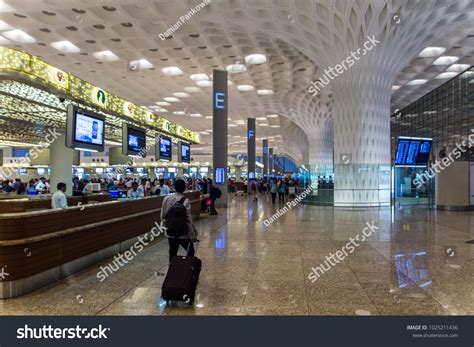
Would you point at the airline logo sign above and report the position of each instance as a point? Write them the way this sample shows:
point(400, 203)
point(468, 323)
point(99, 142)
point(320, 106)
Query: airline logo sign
point(99, 96)
point(59, 78)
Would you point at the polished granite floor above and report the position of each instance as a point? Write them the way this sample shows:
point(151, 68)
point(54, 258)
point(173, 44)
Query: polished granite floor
point(417, 263)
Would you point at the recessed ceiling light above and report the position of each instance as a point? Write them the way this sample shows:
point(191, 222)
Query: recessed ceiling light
point(18, 35)
point(181, 95)
point(162, 110)
point(445, 75)
point(171, 99)
point(274, 126)
point(263, 125)
point(105, 56)
point(245, 87)
point(179, 113)
point(430, 52)
point(5, 26)
point(172, 71)
point(162, 103)
point(253, 59)
point(204, 83)
point(458, 67)
point(272, 116)
point(199, 77)
point(446, 60)
point(264, 92)
point(5, 8)
point(417, 82)
point(236, 68)
point(196, 115)
point(192, 89)
point(208, 117)
point(233, 125)
point(65, 46)
point(230, 83)
point(261, 118)
point(140, 64)
point(395, 88)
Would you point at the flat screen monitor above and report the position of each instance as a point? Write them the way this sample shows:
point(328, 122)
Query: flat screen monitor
point(109, 170)
point(140, 170)
point(219, 176)
point(160, 169)
point(171, 170)
point(251, 175)
point(193, 170)
point(204, 170)
point(114, 193)
point(164, 149)
point(85, 130)
point(99, 170)
point(79, 170)
point(413, 151)
point(129, 170)
point(184, 152)
point(133, 140)
point(41, 171)
point(23, 171)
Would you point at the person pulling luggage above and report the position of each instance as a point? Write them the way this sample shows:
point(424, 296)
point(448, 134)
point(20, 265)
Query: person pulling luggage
point(176, 218)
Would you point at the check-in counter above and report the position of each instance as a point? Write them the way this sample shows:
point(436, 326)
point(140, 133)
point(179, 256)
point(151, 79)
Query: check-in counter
point(40, 247)
point(11, 203)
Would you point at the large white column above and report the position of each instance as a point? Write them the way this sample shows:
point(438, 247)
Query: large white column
point(362, 138)
point(61, 164)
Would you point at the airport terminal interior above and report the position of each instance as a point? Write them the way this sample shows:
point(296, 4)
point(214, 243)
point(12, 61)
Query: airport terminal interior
point(326, 149)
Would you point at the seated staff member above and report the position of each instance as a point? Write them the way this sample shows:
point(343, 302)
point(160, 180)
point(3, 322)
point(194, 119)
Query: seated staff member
point(59, 199)
point(134, 192)
point(164, 189)
point(42, 186)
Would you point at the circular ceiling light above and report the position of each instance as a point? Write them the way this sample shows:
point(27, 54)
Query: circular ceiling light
point(265, 92)
point(181, 95)
point(199, 77)
point(171, 99)
point(192, 89)
point(236, 68)
point(172, 71)
point(245, 88)
point(204, 83)
point(254, 59)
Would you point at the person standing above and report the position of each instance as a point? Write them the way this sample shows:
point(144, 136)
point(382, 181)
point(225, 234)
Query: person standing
point(164, 189)
point(281, 191)
point(273, 190)
point(214, 194)
point(176, 218)
point(59, 199)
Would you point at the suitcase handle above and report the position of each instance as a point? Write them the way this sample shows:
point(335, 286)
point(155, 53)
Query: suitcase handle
point(189, 246)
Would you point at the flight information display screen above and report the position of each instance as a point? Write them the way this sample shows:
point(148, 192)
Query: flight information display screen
point(89, 129)
point(413, 151)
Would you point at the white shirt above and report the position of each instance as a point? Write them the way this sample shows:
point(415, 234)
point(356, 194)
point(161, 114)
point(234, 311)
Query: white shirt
point(58, 200)
point(40, 186)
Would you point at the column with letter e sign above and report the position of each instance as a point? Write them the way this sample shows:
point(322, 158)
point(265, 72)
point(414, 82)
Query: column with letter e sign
point(270, 161)
point(250, 148)
point(219, 133)
point(265, 157)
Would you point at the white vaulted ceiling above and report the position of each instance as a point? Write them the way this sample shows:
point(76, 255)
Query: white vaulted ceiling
point(300, 38)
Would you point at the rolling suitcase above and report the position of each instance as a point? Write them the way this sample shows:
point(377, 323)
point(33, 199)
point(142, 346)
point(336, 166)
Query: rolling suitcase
point(182, 279)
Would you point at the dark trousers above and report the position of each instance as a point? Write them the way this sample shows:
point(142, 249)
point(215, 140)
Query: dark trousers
point(281, 197)
point(185, 243)
point(212, 208)
point(274, 195)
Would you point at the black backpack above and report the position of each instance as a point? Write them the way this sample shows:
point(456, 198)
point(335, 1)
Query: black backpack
point(176, 221)
point(218, 192)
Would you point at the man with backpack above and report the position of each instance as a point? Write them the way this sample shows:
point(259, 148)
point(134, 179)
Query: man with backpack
point(176, 218)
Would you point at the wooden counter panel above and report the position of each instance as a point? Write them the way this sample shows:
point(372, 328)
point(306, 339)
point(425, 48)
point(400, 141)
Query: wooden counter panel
point(89, 238)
